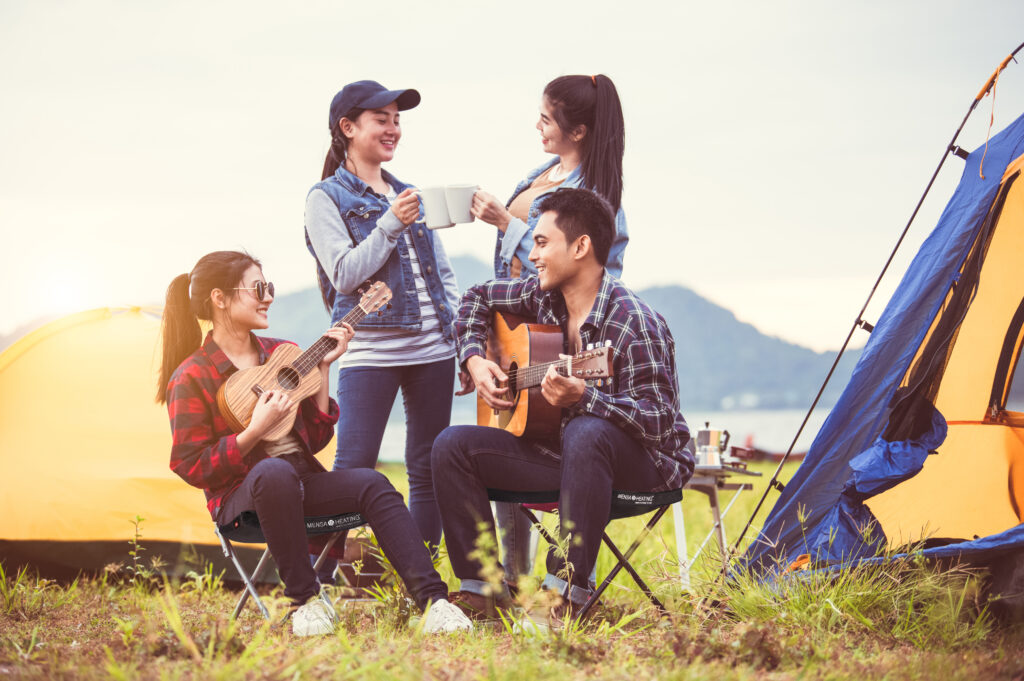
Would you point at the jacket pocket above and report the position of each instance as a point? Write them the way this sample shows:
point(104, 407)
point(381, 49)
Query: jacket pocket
point(363, 212)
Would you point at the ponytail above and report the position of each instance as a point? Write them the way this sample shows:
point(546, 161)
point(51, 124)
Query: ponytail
point(181, 332)
point(338, 152)
point(593, 101)
point(188, 301)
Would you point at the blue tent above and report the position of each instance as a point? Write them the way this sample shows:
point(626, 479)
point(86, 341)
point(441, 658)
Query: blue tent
point(927, 440)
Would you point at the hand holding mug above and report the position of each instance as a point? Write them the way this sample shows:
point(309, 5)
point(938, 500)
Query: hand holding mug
point(489, 209)
point(406, 207)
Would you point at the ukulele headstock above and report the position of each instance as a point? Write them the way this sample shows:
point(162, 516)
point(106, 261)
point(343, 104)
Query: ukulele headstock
point(376, 296)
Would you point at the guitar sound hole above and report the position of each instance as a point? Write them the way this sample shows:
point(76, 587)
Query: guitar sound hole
point(288, 378)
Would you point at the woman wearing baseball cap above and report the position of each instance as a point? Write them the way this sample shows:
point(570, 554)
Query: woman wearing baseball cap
point(363, 223)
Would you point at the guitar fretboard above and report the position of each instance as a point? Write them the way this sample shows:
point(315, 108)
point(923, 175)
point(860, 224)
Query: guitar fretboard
point(531, 376)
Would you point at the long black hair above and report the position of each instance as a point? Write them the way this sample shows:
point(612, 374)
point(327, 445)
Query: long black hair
point(593, 101)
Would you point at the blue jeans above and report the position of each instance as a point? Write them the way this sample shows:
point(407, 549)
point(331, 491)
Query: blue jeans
point(596, 457)
point(365, 396)
point(281, 496)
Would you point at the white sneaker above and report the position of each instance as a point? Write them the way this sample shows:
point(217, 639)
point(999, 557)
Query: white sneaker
point(315, 618)
point(444, 618)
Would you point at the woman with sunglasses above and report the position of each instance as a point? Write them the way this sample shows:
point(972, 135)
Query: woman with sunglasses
point(363, 223)
point(581, 125)
point(280, 480)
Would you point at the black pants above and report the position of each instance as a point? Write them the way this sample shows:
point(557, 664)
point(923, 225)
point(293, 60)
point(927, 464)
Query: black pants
point(282, 497)
point(596, 458)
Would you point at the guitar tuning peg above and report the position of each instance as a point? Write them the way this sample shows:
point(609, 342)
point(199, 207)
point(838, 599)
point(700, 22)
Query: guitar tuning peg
point(590, 346)
point(607, 343)
point(380, 313)
point(599, 382)
point(388, 306)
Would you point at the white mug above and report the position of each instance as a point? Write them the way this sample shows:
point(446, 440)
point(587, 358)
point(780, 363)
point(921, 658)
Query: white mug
point(460, 202)
point(435, 208)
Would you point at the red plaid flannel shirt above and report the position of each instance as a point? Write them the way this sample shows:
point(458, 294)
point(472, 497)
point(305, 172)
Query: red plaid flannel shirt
point(204, 450)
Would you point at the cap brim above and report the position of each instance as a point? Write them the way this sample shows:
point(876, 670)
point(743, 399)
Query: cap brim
point(406, 99)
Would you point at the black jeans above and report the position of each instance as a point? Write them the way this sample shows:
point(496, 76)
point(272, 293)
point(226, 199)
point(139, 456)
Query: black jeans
point(282, 497)
point(596, 458)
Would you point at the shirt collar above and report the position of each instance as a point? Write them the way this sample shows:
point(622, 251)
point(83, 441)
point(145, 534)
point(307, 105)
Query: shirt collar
point(599, 312)
point(220, 360)
point(360, 188)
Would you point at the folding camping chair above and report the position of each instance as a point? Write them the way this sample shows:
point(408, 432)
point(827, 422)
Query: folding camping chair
point(624, 505)
point(245, 529)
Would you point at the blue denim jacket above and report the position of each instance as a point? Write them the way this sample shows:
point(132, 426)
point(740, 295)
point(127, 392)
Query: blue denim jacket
point(518, 237)
point(360, 209)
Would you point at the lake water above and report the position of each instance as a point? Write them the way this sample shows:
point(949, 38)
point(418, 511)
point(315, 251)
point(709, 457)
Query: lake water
point(768, 429)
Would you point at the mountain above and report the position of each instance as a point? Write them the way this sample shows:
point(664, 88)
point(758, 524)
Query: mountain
point(723, 363)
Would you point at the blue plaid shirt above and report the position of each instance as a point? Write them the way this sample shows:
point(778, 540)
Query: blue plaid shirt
point(643, 397)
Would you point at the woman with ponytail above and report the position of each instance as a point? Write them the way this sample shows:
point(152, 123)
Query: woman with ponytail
point(363, 223)
point(281, 481)
point(581, 124)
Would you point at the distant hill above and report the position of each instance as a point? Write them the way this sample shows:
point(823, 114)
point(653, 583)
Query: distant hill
point(723, 363)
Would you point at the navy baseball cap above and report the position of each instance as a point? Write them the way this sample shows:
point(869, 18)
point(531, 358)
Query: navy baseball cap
point(368, 94)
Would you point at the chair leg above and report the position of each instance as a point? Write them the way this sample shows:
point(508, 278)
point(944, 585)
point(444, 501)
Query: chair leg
point(327, 547)
point(623, 562)
point(250, 587)
point(540, 528)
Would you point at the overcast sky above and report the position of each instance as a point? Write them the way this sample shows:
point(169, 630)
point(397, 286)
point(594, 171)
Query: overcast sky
point(774, 150)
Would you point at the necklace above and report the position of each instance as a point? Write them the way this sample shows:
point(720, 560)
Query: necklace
point(557, 173)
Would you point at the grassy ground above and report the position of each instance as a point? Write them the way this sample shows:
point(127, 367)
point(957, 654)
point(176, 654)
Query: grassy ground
point(907, 621)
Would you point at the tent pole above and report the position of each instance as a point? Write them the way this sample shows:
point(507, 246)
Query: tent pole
point(951, 147)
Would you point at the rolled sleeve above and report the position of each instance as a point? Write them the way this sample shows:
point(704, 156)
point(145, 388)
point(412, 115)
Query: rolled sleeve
point(319, 425)
point(518, 241)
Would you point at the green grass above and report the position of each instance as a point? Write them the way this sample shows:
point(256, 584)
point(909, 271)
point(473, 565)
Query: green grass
point(904, 621)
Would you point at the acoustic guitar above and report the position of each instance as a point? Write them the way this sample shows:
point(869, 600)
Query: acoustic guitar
point(524, 350)
point(288, 370)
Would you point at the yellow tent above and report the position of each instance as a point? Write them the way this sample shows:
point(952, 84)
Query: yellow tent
point(975, 486)
point(84, 448)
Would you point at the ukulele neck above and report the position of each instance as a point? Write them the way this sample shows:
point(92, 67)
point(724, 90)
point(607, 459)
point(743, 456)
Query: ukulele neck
point(309, 360)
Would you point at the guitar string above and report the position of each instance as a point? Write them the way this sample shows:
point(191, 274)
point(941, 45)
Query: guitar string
point(308, 360)
point(533, 374)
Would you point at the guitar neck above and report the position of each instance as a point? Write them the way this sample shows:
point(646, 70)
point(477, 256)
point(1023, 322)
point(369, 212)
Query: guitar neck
point(309, 360)
point(531, 376)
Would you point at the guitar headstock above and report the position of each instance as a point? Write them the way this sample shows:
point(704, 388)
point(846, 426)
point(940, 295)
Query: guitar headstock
point(376, 296)
point(593, 364)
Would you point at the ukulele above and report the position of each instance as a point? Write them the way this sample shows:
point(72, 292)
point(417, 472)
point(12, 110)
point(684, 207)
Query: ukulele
point(289, 370)
point(524, 351)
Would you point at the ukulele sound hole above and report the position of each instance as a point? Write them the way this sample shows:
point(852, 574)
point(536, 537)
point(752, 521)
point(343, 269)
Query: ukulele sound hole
point(288, 378)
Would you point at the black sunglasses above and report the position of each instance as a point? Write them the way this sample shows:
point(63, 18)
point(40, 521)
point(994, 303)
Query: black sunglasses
point(261, 289)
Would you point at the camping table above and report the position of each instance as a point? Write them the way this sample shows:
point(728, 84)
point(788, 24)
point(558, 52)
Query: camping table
point(709, 480)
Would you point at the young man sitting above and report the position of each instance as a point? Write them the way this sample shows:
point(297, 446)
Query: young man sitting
point(625, 435)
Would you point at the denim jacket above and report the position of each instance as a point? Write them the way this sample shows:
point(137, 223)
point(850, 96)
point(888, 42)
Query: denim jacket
point(361, 208)
point(518, 237)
